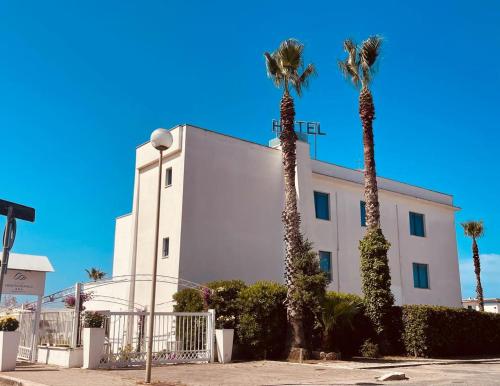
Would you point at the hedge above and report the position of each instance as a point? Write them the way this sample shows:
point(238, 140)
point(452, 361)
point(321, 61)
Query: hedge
point(431, 331)
point(262, 322)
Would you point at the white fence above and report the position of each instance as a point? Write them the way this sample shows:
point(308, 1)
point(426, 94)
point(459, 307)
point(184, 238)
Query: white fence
point(178, 337)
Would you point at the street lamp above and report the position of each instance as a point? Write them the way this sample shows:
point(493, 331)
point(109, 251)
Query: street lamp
point(161, 140)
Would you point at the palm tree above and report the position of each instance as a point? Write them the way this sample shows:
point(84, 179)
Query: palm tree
point(358, 67)
point(286, 68)
point(95, 274)
point(475, 230)
point(338, 311)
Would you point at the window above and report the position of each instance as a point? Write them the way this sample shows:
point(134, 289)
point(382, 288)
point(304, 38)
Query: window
point(168, 177)
point(325, 263)
point(362, 210)
point(166, 247)
point(420, 275)
point(322, 205)
point(417, 227)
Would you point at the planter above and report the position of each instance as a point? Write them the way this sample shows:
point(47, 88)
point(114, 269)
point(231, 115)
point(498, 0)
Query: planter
point(60, 356)
point(9, 344)
point(93, 346)
point(224, 338)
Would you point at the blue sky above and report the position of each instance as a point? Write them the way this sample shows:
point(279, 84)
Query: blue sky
point(83, 83)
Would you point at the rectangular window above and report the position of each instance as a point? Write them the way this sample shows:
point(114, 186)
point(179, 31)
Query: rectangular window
point(417, 227)
point(420, 275)
point(322, 205)
point(168, 177)
point(166, 247)
point(362, 210)
point(325, 263)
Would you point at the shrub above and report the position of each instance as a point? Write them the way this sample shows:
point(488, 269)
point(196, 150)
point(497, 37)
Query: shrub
point(376, 281)
point(8, 323)
point(224, 300)
point(370, 349)
point(442, 331)
point(188, 300)
point(263, 321)
point(93, 320)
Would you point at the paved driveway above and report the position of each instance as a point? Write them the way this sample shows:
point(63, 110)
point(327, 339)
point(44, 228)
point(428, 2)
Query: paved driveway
point(465, 372)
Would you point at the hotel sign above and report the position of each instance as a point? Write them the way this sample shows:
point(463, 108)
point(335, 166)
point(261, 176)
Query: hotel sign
point(302, 127)
point(22, 282)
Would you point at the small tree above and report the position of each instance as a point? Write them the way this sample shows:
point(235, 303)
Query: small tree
point(307, 290)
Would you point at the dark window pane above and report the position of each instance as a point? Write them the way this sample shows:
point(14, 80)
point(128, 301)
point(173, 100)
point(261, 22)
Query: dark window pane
point(362, 208)
point(322, 205)
point(168, 177)
point(325, 263)
point(166, 247)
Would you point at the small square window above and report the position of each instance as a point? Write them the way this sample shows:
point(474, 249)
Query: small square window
point(325, 263)
point(362, 210)
point(322, 205)
point(166, 247)
point(420, 275)
point(417, 225)
point(168, 177)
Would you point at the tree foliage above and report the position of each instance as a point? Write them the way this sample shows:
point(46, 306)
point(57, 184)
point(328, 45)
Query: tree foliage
point(376, 279)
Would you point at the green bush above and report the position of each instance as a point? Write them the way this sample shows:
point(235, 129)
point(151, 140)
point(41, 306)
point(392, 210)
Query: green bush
point(431, 331)
point(369, 349)
point(93, 319)
point(262, 322)
point(8, 323)
point(224, 300)
point(188, 300)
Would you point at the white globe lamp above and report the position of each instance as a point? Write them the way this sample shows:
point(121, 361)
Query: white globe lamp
point(161, 139)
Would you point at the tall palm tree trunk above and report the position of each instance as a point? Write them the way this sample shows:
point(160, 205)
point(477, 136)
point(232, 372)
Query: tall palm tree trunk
point(367, 114)
point(477, 271)
point(290, 215)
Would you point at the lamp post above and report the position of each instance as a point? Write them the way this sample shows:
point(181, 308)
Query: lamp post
point(161, 140)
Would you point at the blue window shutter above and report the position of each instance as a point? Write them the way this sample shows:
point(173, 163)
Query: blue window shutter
point(362, 209)
point(416, 282)
point(322, 205)
point(412, 223)
point(417, 227)
point(424, 280)
point(325, 263)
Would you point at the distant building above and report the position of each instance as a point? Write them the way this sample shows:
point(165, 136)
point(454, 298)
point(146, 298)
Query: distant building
point(490, 305)
point(221, 210)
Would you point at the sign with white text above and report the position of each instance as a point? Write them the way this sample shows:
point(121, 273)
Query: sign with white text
point(21, 282)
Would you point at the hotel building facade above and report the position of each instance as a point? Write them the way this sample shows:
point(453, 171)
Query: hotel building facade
point(221, 219)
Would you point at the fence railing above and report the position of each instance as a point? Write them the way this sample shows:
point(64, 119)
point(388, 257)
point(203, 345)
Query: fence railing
point(178, 337)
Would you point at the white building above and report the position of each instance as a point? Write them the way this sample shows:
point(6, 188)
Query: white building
point(221, 219)
point(490, 305)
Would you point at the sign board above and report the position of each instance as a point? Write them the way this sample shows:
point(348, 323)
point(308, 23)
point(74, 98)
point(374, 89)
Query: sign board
point(22, 282)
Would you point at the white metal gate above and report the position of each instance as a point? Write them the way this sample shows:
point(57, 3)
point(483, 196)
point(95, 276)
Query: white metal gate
point(26, 325)
point(179, 337)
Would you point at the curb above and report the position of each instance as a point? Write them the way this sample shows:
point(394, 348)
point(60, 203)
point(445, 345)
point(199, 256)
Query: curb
point(13, 381)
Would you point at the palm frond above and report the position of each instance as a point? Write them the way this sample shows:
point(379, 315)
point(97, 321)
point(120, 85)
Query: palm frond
point(273, 69)
point(473, 229)
point(284, 64)
point(349, 72)
point(302, 81)
point(369, 51)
